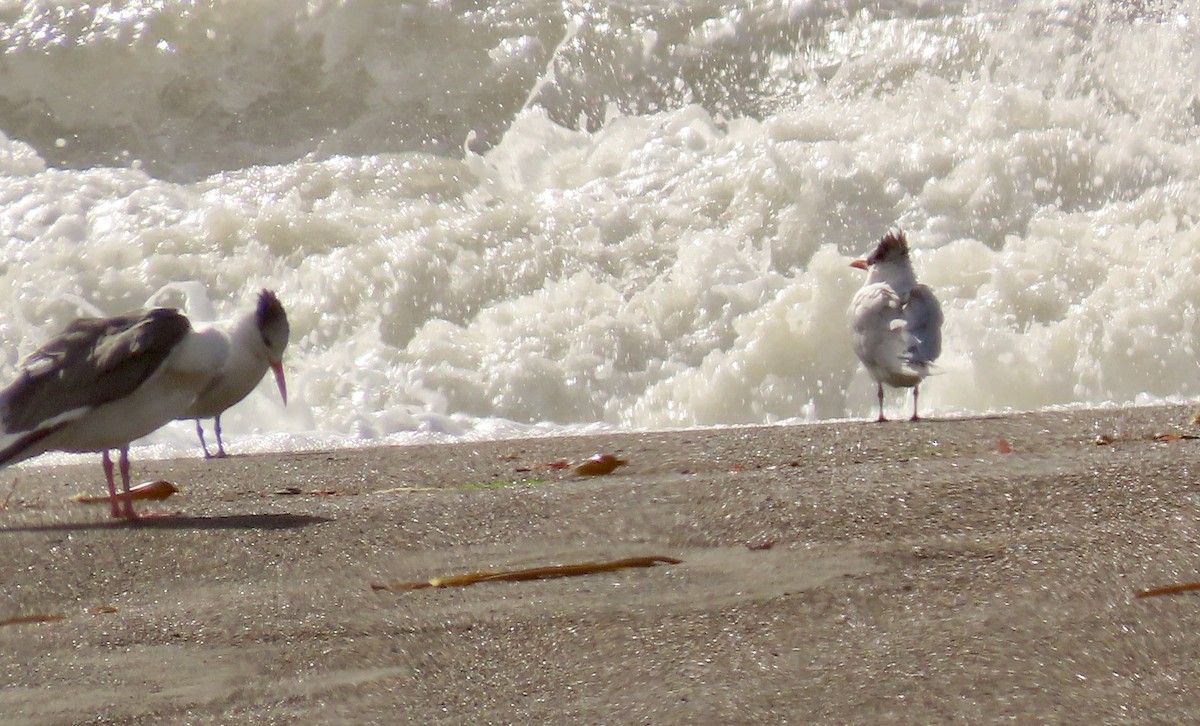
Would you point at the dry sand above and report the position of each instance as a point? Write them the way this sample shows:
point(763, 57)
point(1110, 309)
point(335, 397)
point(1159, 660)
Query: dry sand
point(833, 573)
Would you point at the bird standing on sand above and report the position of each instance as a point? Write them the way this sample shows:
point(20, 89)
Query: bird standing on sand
point(255, 341)
point(104, 382)
point(895, 322)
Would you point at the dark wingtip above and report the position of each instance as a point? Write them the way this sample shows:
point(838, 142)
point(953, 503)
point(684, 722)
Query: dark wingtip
point(270, 311)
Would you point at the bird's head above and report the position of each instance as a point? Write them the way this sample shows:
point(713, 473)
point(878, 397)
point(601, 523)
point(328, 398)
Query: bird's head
point(273, 327)
point(892, 248)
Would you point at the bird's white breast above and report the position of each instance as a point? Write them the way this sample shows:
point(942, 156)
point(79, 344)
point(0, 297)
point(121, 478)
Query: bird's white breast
point(242, 369)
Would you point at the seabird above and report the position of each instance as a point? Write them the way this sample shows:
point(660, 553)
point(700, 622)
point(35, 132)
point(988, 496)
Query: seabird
point(895, 322)
point(102, 383)
point(255, 341)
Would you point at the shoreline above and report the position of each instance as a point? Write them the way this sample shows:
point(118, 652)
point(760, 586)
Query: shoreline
point(830, 572)
point(310, 442)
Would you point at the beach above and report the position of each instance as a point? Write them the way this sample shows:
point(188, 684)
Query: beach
point(492, 220)
point(968, 570)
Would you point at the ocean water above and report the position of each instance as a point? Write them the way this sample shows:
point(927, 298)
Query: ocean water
point(491, 219)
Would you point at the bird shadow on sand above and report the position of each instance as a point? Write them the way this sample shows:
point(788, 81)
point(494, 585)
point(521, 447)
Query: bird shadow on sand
point(236, 521)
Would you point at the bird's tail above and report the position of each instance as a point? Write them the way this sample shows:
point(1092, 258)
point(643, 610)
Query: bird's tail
point(918, 354)
point(22, 445)
point(903, 361)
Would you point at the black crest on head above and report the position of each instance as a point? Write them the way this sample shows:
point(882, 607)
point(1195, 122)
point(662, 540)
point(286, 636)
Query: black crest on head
point(270, 311)
point(893, 246)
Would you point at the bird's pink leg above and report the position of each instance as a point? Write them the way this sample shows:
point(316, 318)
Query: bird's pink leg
point(112, 487)
point(124, 464)
point(220, 446)
point(881, 418)
point(915, 417)
point(200, 433)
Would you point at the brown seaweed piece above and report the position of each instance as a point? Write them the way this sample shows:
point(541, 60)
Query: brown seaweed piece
point(599, 465)
point(26, 619)
point(155, 490)
point(1169, 590)
point(533, 573)
point(1167, 437)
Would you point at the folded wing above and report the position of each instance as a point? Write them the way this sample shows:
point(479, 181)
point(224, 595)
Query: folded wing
point(93, 362)
point(896, 338)
point(923, 323)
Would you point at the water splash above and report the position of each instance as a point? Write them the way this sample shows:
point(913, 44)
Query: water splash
point(503, 219)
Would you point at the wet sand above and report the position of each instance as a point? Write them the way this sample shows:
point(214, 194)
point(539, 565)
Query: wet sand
point(832, 573)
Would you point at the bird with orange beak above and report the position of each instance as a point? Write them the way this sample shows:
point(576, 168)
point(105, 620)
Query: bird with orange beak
point(895, 322)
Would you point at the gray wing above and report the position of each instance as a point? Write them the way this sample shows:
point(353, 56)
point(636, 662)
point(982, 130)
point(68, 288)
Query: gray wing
point(93, 362)
point(873, 315)
point(923, 318)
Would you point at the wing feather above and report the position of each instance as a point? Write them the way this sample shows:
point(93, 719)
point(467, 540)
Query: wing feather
point(923, 315)
point(877, 327)
point(92, 362)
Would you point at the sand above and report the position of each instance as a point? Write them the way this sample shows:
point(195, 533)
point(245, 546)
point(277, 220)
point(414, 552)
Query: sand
point(831, 573)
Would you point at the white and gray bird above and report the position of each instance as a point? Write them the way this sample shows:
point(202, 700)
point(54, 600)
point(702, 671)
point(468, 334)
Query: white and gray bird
point(255, 342)
point(895, 322)
point(104, 382)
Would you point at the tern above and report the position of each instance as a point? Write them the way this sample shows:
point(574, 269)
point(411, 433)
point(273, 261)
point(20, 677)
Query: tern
point(895, 322)
point(104, 382)
point(255, 342)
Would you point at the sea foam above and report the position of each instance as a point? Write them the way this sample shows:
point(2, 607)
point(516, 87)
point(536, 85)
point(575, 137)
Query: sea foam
point(530, 217)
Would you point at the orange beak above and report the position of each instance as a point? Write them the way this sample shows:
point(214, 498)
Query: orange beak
point(280, 381)
point(859, 264)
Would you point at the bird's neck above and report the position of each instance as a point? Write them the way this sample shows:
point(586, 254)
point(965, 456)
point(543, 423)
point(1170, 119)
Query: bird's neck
point(899, 276)
point(245, 327)
point(244, 335)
